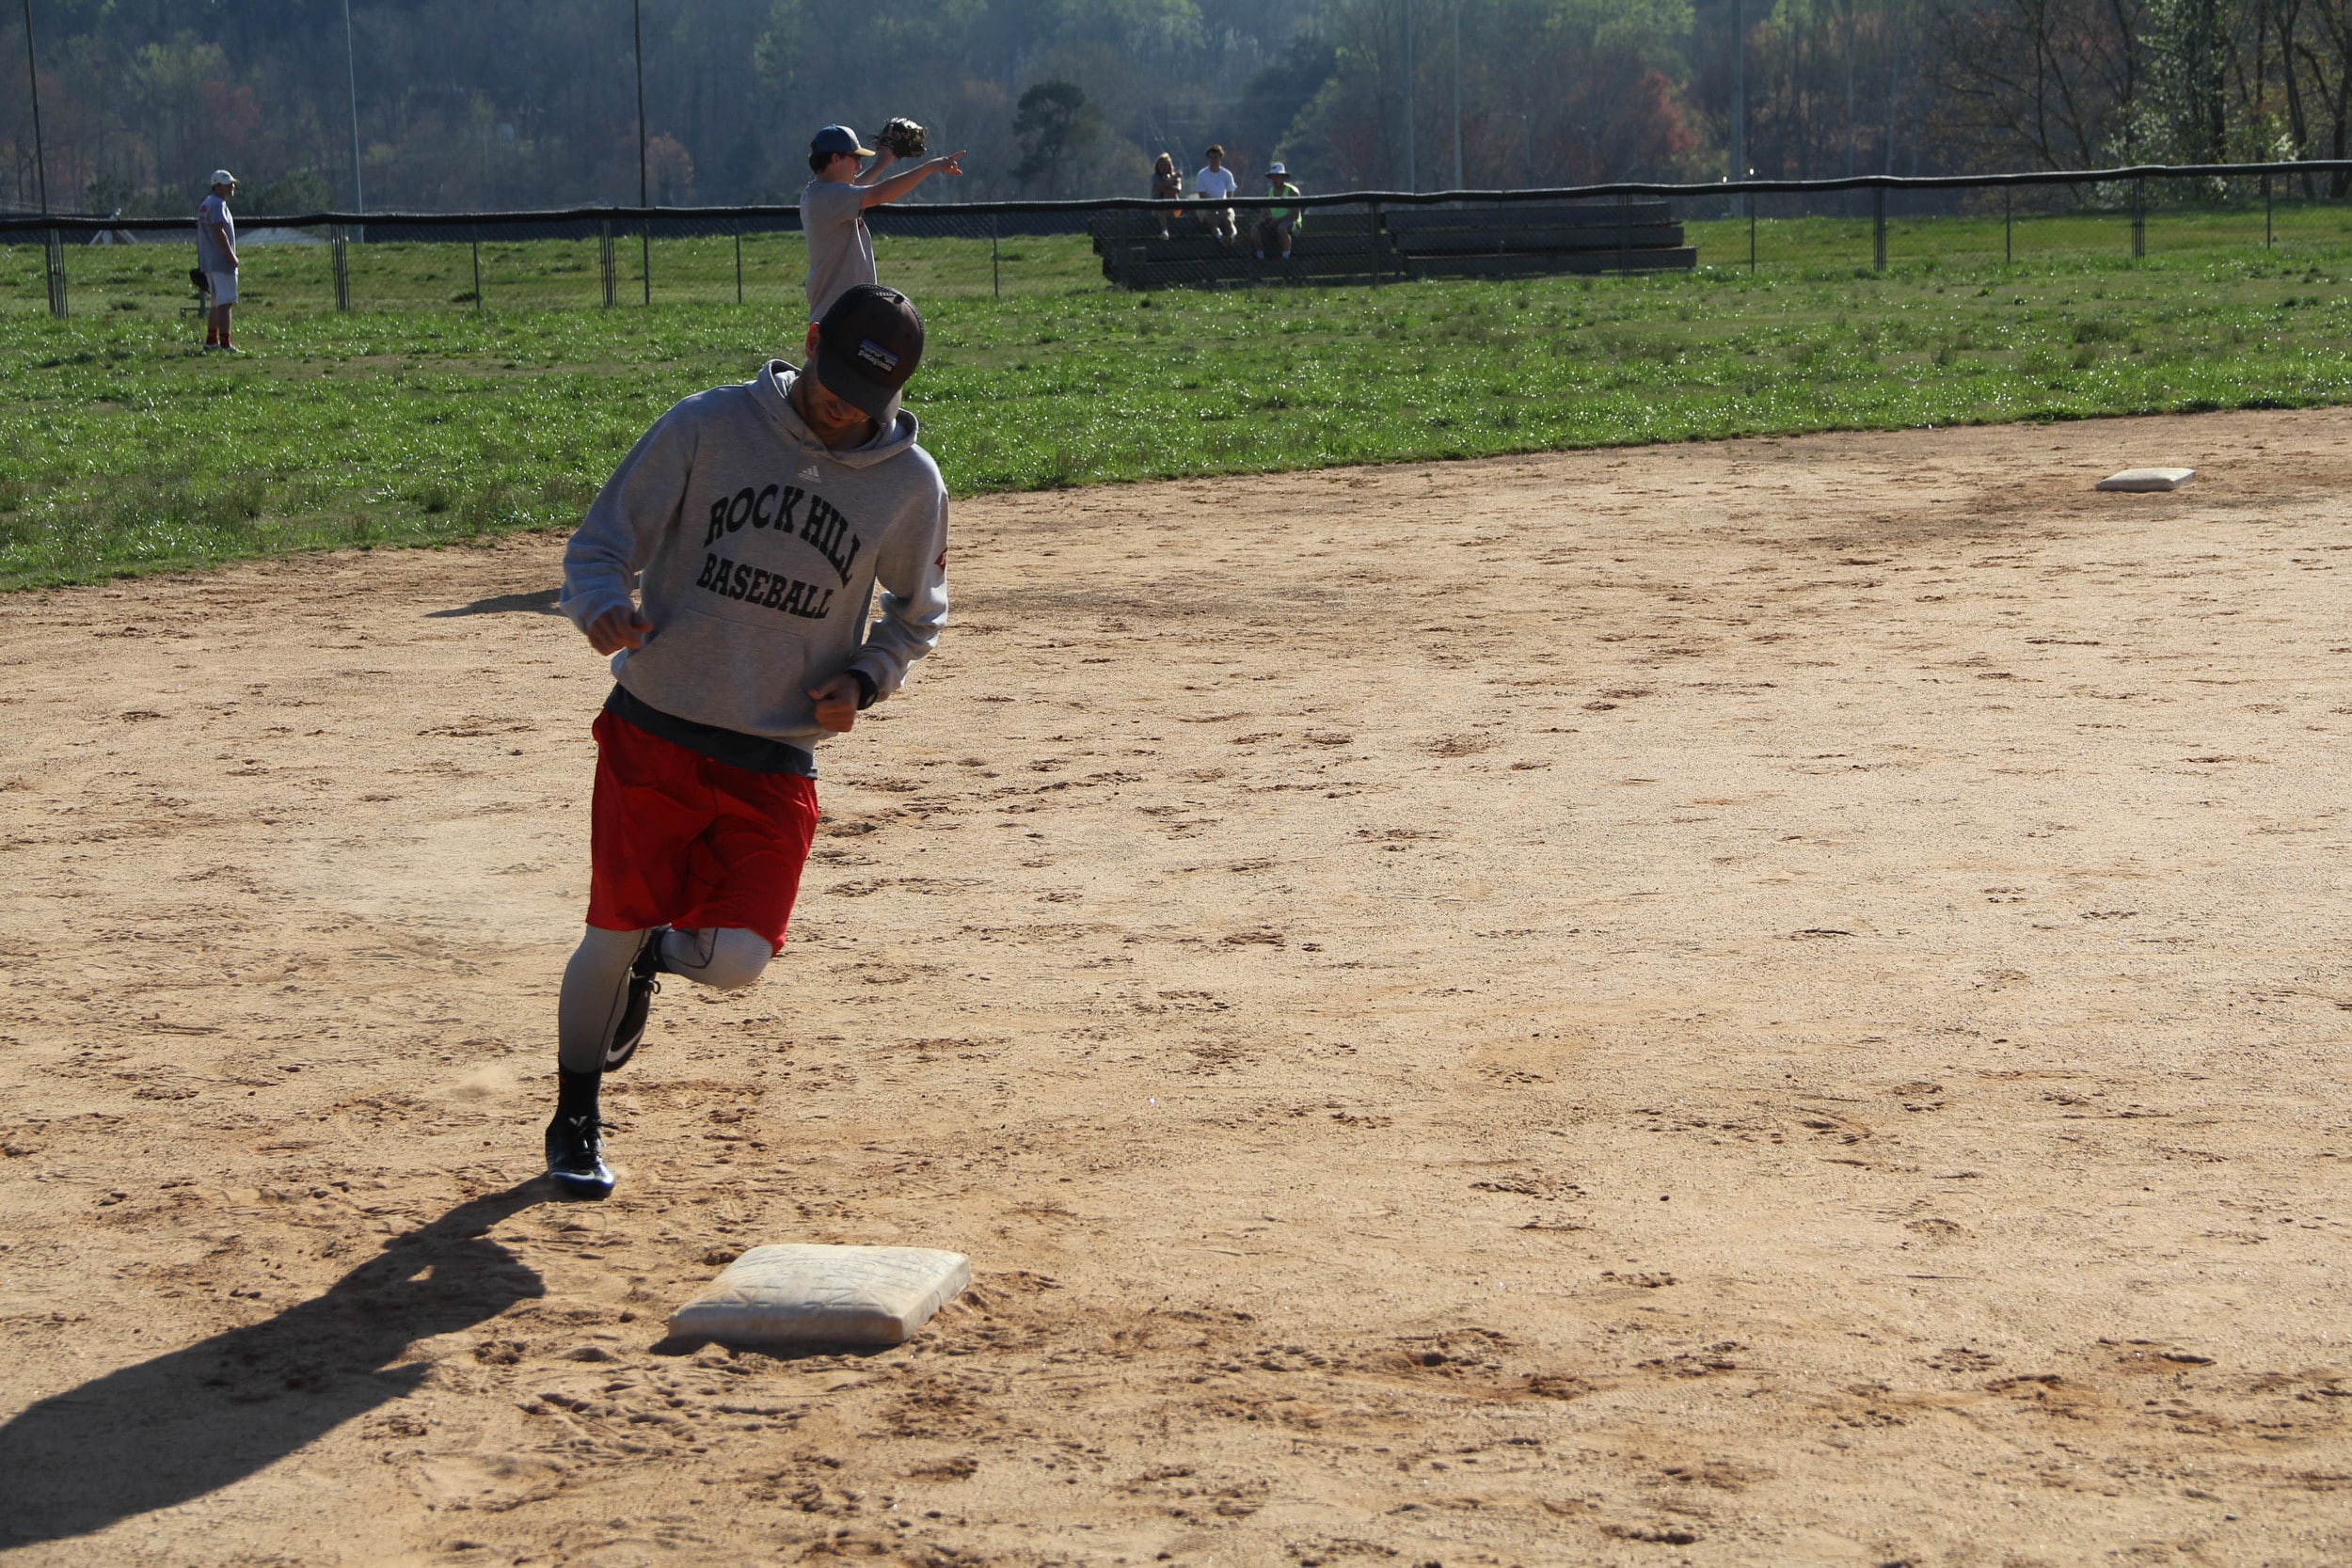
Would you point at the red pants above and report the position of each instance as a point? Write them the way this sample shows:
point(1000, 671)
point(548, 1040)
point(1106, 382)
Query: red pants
point(677, 839)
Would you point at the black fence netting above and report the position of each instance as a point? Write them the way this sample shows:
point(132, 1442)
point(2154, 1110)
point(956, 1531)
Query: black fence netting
point(613, 256)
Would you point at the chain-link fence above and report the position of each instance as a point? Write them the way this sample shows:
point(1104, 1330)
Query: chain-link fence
point(755, 256)
point(527, 261)
point(2104, 214)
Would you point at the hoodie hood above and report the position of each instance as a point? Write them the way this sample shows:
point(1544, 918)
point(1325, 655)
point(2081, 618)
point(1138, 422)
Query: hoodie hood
point(773, 388)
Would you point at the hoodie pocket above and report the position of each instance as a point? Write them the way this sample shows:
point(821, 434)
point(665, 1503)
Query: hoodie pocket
point(751, 677)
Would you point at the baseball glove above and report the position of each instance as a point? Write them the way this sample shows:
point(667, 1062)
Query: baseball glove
point(903, 139)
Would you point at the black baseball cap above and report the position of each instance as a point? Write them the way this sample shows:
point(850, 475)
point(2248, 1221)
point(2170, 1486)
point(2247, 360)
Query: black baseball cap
point(867, 348)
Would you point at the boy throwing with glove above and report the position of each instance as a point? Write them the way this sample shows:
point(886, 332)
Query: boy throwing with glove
point(832, 205)
point(763, 518)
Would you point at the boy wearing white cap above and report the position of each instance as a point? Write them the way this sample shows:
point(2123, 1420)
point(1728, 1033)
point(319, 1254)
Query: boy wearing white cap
point(1280, 224)
point(217, 255)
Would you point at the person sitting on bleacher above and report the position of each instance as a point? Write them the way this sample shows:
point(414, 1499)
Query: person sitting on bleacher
point(1167, 185)
point(1280, 224)
point(1213, 184)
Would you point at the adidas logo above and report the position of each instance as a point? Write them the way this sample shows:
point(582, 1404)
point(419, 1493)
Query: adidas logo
point(809, 475)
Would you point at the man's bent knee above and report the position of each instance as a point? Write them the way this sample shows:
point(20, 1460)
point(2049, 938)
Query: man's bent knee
point(724, 958)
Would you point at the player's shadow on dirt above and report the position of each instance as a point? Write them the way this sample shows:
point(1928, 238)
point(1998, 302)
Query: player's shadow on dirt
point(188, 1424)
point(540, 603)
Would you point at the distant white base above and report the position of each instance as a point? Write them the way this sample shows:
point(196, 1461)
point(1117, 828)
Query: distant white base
point(825, 1295)
point(2147, 478)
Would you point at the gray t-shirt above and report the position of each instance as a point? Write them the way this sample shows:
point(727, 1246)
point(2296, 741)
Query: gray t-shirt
point(211, 254)
point(840, 251)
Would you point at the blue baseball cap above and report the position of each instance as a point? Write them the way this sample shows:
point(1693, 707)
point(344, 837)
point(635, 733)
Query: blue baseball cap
point(838, 138)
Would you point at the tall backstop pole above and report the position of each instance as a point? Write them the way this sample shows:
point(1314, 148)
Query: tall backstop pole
point(637, 20)
point(350, 80)
point(1457, 95)
point(351, 83)
point(32, 75)
point(1740, 101)
point(53, 244)
point(1412, 128)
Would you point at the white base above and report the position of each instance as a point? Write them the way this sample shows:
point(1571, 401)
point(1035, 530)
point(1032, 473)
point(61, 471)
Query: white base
point(2147, 478)
point(825, 1295)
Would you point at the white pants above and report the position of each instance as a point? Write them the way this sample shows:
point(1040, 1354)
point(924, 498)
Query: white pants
point(224, 287)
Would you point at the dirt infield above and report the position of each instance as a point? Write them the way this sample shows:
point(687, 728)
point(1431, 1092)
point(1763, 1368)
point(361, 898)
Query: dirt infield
point(1777, 1003)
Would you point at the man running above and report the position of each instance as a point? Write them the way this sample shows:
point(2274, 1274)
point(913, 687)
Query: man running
point(763, 518)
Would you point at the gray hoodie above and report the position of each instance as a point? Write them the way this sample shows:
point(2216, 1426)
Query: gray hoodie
point(761, 552)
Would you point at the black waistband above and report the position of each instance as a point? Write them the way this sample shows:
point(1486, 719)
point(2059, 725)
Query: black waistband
point(754, 753)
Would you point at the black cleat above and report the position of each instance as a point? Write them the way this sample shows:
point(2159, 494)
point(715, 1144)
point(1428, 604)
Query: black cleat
point(576, 1157)
point(644, 979)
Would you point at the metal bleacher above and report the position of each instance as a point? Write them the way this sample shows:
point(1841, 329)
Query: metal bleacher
point(1331, 247)
point(1380, 243)
point(1514, 241)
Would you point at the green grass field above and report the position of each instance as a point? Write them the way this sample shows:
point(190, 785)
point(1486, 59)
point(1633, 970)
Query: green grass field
point(422, 417)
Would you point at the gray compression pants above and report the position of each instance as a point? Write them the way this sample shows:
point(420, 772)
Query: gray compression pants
point(595, 982)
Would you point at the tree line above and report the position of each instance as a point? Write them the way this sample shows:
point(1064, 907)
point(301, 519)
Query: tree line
point(518, 103)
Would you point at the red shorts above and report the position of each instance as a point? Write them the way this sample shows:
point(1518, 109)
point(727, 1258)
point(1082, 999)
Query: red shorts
point(677, 839)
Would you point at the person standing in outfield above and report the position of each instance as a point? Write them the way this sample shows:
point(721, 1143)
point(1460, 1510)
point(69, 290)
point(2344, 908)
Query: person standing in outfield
point(1214, 183)
point(217, 257)
point(763, 519)
point(1280, 224)
point(833, 211)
